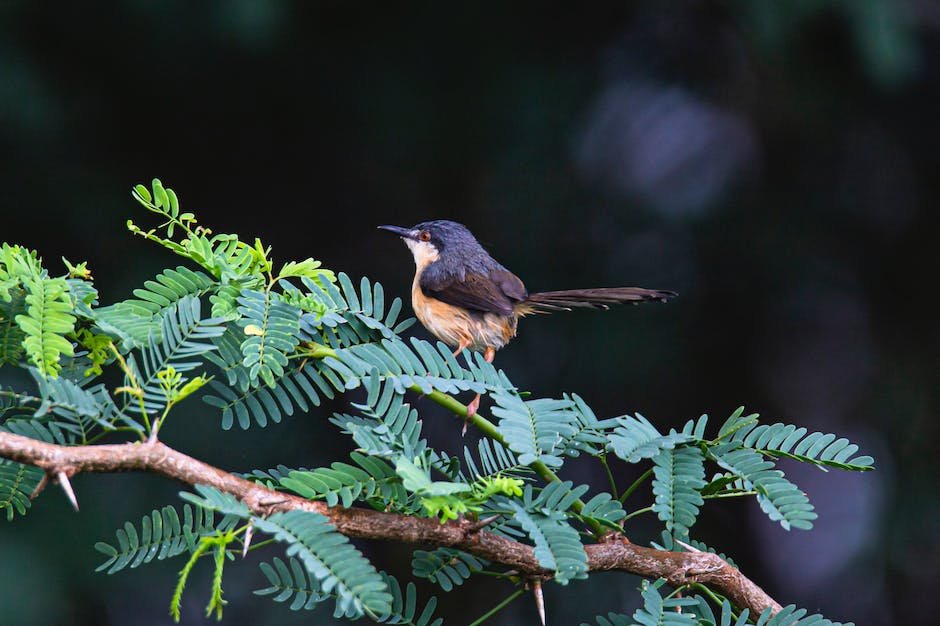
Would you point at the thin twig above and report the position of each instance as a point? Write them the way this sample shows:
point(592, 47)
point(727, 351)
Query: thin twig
point(496, 609)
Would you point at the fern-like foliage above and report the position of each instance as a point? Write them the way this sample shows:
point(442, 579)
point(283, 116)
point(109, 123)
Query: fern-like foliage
point(590, 434)
point(292, 583)
point(138, 320)
point(393, 362)
point(542, 518)
point(387, 427)
point(790, 615)
point(186, 337)
point(447, 567)
point(370, 479)
point(611, 619)
point(347, 317)
point(169, 287)
point(161, 535)
point(780, 499)
point(302, 386)
point(635, 438)
point(405, 607)
point(493, 459)
point(727, 617)
point(210, 499)
point(78, 410)
point(272, 327)
point(656, 610)
point(668, 543)
point(536, 430)
point(11, 335)
point(331, 559)
point(46, 322)
point(786, 440)
point(17, 482)
point(604, 509)
point(557, 545)
point(678, 477)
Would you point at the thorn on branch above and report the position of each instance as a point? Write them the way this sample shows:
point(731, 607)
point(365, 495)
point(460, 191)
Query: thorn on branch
point(269, 503)
point(42, 485)
point(481, 524)
point(539, 599)
point(249, 533)
point(687, 546)
point(612, 536)
point(63, 479)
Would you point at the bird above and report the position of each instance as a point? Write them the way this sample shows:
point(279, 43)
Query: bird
point(468, 300)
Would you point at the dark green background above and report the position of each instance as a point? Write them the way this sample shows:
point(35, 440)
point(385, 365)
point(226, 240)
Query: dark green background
point(775, 163)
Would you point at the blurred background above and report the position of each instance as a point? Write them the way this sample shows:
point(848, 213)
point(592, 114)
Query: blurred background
point(775, 163)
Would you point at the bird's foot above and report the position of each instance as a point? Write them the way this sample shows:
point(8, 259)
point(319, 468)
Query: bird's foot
point(473, 406)
point(471, 411)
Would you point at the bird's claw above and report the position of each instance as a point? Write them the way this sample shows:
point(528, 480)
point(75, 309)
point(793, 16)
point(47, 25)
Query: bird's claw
point(471, 411)
point(473, 406)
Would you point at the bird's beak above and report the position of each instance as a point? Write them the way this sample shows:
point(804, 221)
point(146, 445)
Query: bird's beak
point(404, 233)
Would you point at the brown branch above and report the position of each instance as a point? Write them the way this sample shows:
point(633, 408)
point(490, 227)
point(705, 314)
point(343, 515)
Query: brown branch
point(614, 553)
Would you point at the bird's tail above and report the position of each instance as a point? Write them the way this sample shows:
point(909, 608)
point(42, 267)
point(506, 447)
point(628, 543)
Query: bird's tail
point(600, 298)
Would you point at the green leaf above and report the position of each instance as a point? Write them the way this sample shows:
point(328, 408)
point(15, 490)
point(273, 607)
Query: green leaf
point(344, 484)
point(557, 545)
point(272, 329)
point(418, 480)
point(780, 499)
point(142, 194)
point(790, 615)
point(168, 287)
point(161, 535)
point(536, 429)
point(214, 500)
point(293, 584)
point(605, 509)
point(159, 194)
point(404, 609)
point(678, 477)
point(445, 566)
point(308, 268)
point(11, 335)
point(635, 439)
point(668, 543)
point(47, 320)
point(17, 482)
point(787, 440)
point(184, 340)
point(658, 611)
point(333, 561)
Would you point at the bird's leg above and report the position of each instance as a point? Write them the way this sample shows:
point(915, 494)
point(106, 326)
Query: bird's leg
point(462, 345)
point(488, 355)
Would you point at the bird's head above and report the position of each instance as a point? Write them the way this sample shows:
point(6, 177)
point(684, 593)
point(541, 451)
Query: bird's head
point(429, 241)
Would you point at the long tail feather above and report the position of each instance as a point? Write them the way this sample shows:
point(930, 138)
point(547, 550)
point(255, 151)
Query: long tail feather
point(600, 298)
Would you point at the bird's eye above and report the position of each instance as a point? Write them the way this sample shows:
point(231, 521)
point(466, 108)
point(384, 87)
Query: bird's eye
point(424, 235)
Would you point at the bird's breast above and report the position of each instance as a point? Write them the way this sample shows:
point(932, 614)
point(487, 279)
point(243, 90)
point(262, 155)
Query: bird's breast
point(458, 326)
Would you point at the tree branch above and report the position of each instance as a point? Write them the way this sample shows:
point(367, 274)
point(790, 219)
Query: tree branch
point(614, 553)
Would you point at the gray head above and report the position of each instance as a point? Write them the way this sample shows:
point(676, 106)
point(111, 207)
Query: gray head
point(445, 241)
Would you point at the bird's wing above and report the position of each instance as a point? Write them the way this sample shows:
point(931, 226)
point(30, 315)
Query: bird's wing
point(495, 291)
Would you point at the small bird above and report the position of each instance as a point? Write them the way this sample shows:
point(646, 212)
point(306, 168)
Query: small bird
point(465, 298)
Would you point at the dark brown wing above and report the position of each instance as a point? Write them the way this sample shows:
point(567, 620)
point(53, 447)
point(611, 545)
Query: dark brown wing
point(496, 291)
